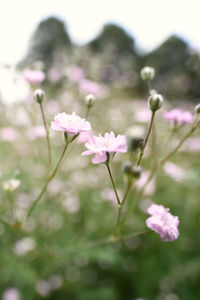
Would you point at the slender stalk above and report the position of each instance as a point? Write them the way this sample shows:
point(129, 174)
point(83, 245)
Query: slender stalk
point(36, 201)
point(113, 184)
point(10, 196)
point(147, 138)
point(87, 112)
point(99, 242)
point(47, 134)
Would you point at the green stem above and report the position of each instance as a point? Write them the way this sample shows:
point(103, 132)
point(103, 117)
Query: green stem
point(113, 184)
point(47, 134)
point(147, 138)
point(36, 201)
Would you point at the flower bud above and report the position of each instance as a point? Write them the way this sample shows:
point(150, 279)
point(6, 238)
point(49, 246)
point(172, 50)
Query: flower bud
point(135, 136)
point(89, 100)
point(127, 167)
point(11, 184)
point(147, 73)
point(136, 172)
point(155, 102)
point(197, 109)
point(39, 96)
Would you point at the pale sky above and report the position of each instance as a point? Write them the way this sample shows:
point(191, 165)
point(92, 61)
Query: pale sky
point(149, 21)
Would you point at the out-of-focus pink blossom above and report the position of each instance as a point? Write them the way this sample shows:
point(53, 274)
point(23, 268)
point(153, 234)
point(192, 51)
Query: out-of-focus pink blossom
point(76, 74)
point(55, 75)
point(11, 294)
point(9, 134)
point(90, 87)
point(72, 124)
point(193, 144)
point(84, 137)
point(174, 171)
point(33, 76)
point(179, 117)
point(150, 188)
point(142, 115)
point(100, 146)
point(163, 222)
point(35, 132)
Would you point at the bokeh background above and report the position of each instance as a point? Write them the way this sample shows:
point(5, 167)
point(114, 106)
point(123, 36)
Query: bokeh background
point(97, 47)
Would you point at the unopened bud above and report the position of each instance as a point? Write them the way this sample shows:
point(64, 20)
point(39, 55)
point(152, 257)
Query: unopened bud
point(147, 73)
point(128, 169)
point(39, 96)
point(89, 100)
point(197, 109)
point(135, 136)
point(136, 172)
point(155, 102)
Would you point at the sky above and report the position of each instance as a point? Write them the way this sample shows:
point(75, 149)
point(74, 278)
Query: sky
point(150, 22)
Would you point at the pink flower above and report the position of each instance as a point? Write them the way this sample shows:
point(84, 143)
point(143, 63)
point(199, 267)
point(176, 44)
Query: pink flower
point(76, 74)
point(72, 124)
point(193, 144)
point(174, 171)
point(9, 134)
point(178, 116)
point(33, 76)
point(11, 294)
point(90, 87)
point(163, 222)
point(35, 132)
point(100, 146)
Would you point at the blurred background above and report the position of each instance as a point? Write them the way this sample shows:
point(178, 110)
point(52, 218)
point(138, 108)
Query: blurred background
point(70, 49)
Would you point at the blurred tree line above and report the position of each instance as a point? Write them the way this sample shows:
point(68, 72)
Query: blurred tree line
point(114, 52)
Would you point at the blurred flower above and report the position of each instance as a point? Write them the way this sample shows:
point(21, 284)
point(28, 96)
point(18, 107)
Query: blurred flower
point(179, 117)
point(33, 76)
point(35, 132)
point(9, 134)
point(55, 75)
point(90, 87)
point(25, 245)
point(193, 144)
point(142, 115)
point(150, 188)
point(163, 222)
point(72, 124)
point(43, 288)
point(75, 74)
point(100, 146)
point(174, 171)
point(11, 294)
point(147, 73)
point(11, 184)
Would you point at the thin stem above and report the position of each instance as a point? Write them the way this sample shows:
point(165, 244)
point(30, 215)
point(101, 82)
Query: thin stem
point(100, 242)
point(147, 138)
point(113, 184)
point(128, 188)
point(47, 134)
point(10, 196)
point(87, 112)
point(35, 202)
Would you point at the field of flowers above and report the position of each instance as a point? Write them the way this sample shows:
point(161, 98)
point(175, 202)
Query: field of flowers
point(99, 191)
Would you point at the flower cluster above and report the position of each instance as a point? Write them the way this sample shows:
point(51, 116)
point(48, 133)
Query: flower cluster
point(163, 222)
